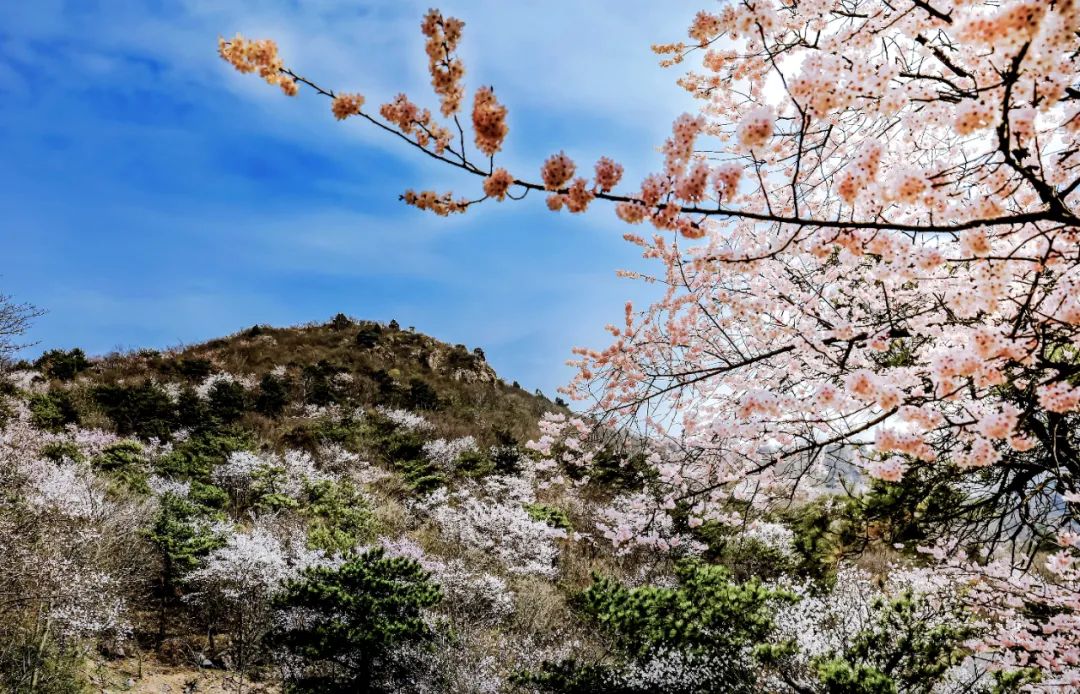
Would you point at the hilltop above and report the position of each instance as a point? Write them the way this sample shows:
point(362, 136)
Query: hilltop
point(287, 372)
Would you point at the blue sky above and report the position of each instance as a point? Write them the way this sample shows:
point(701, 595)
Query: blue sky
point(152, 197)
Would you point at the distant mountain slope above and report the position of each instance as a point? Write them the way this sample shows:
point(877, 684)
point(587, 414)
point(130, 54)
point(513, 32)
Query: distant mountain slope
point(284, 373)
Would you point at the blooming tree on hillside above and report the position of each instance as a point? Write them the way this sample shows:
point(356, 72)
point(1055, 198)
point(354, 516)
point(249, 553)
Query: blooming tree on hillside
point(868, 239)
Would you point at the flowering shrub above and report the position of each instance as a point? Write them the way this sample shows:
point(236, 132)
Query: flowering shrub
point(468, 596)
point(445, 453)
point(71, 555)
point(410, 421)
point(498, 526)
point(234, 584)
point(267, 480)
point(212, 381)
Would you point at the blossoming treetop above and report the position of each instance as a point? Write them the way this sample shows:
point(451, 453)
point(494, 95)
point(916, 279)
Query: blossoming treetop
point(878, 249)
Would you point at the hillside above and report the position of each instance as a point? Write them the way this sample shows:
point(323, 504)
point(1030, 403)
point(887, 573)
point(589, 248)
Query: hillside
point(356, 507)
point(292, 371)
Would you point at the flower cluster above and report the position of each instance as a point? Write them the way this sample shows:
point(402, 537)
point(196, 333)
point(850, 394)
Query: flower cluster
point(441, 204)
point(608, 174)
point(557, 170)
point(405, 419)
point(489, 121)
point(1060, 397)
point(411, 120)
point(498, 183)
point(345, 105)
point(259, 56)
point(756, 128)
point(446, 69)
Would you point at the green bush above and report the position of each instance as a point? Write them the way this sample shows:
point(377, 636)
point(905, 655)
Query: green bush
point(192, 412)
point(612, 470)
point(420, 474)
point(355, 617)
point(911, 511)
point(119, 456)
point(404, 450)
point(196, 457)
point(745, 557)
point(143, 410)
point(273, 396)
point(227, 401)
point(53, 410)
point(348, 431)
point(474, 464)
point(181, 535)
point(58, 451)
point(61, 365)
point(822, 534)
point(841, 677)
point(555, 517)
point(124, 462)
point(506, 460)
point(208, 496)
point(368, 335)
point(707, 612)
point(268, 489)
point(707, 617)
point(505, 454)
point(339, 518)
point(392, 443)
point(401, 445)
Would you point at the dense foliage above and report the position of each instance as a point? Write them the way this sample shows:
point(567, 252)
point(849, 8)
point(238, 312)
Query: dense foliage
point(343, 624)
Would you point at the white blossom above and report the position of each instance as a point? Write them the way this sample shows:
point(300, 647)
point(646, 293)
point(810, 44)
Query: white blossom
point(445, 453)
point(405, 419)
point(204, 388)
point(502, 529)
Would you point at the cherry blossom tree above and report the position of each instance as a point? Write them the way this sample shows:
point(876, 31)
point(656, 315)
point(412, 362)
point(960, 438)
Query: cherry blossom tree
point(235, 583)
point(72, 554)
point(868, 248)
